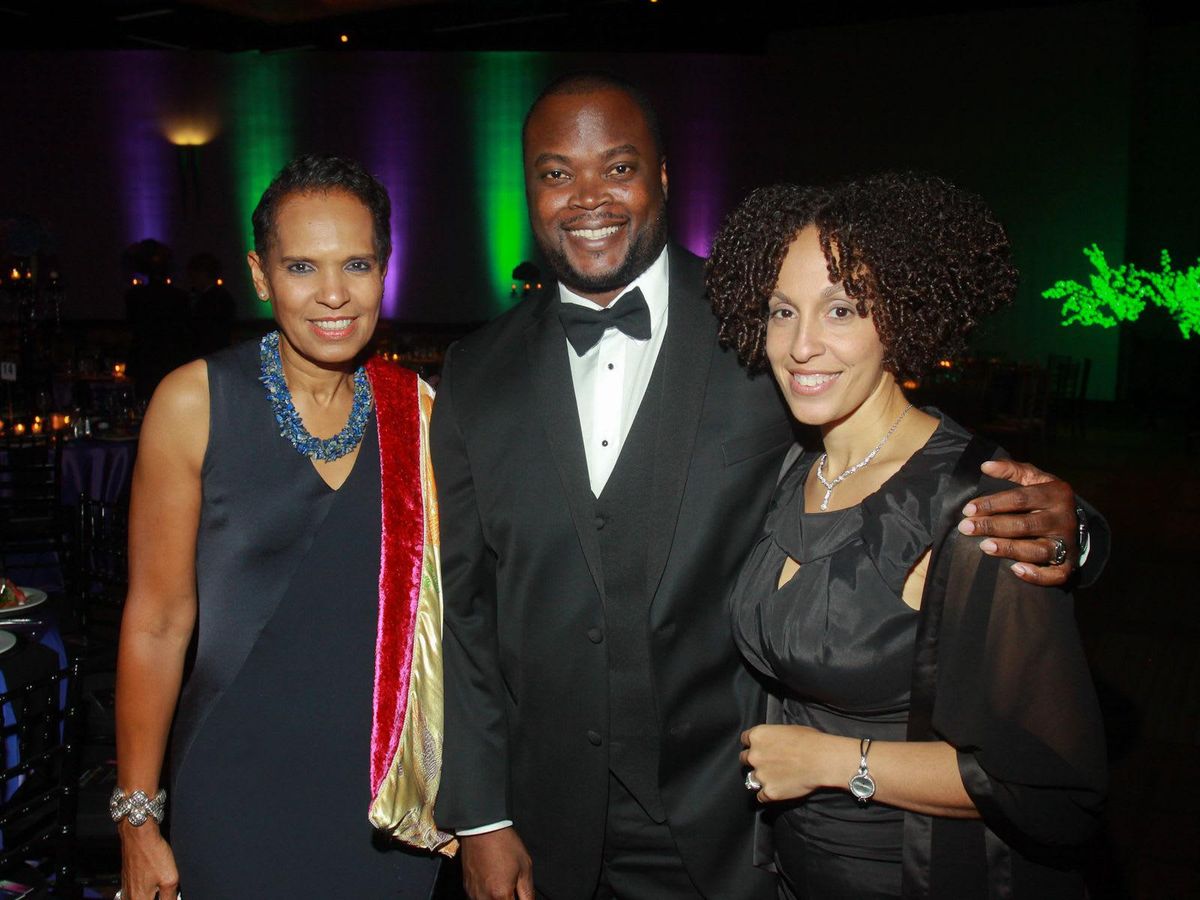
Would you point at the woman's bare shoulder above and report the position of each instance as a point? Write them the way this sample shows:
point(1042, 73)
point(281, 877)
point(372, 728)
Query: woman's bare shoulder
point(177, 417)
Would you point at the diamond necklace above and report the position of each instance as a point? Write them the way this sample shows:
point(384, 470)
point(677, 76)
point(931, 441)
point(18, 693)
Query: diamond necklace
point(290, 424)
point(830, 485)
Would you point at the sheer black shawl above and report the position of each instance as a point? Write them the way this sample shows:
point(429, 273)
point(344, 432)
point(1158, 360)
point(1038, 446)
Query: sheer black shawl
point(1000, 674)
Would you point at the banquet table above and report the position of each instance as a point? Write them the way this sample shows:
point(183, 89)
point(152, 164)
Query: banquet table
point(38, 652)
point(35, 679)
point(102, 468)
point(99, 467)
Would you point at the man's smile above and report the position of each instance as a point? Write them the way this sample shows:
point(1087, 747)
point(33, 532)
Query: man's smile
point(593, 234)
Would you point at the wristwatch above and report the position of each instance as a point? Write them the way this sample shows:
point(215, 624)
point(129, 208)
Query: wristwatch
point(862, 785)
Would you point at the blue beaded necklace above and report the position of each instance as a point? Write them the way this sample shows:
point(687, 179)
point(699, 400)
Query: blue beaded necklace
point(290, 425)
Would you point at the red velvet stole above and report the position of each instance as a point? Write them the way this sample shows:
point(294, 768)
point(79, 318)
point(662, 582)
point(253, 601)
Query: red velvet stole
point(402, 549)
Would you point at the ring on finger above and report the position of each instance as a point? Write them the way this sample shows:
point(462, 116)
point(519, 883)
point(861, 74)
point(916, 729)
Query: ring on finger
point(1059, 556)
point(752, 783)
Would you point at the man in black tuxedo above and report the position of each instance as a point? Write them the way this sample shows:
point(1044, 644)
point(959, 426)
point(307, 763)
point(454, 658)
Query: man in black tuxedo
point(602, 468)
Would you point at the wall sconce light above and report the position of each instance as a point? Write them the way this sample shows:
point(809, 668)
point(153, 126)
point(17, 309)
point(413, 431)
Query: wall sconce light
point(190, 131)
point(188, 134)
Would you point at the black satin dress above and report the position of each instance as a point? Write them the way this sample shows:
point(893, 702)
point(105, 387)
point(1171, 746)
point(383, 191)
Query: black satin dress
point(271, 745)
point(838, 641)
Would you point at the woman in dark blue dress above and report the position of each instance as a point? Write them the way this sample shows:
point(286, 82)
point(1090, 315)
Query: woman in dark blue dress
point(932, 729)
point(255, 530)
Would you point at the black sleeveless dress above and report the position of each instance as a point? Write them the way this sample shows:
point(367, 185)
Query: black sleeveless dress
point(271, 744)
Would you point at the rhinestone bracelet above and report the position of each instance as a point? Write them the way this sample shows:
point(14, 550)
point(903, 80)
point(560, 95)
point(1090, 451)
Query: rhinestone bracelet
point(137, 807)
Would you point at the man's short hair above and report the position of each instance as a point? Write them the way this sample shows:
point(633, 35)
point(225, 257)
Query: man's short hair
point(589, 82)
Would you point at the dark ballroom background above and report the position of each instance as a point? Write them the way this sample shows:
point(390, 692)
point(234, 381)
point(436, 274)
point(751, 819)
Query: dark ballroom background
point(1078, 122)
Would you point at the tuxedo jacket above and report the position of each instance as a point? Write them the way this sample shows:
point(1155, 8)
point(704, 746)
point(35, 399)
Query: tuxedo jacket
point(526, 662)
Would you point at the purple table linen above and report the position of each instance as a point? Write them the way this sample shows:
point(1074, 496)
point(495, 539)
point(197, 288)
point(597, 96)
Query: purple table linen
point(101, 469)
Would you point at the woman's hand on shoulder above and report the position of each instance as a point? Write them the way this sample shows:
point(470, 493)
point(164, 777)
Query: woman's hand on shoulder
point(791, 761)
point(147, 863)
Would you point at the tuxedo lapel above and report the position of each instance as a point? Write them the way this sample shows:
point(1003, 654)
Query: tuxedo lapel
point(550, 374)
point(686, 357)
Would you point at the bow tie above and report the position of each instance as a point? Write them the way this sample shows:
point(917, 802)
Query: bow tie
point(585, 327)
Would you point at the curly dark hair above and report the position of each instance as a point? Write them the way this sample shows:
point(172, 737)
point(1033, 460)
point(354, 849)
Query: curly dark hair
point(746, 256)
point(320, 174)
point(926, 259)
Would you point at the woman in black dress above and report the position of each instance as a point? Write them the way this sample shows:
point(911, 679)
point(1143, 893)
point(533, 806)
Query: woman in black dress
point(256, 529)
point(932, 729)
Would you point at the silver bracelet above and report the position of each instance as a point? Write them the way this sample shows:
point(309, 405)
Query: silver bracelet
point(137, 807)
point(862, 785)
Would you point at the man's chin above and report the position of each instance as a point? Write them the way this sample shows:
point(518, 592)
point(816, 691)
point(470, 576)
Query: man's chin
point(587, 275)
point(594, 284)
point(597, 279)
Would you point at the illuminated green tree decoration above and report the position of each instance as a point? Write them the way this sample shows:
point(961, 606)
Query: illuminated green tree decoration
point(1113, 295)
point(1120, 293)
point(1176, 292)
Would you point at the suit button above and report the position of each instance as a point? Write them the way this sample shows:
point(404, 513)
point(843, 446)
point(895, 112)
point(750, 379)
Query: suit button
point(594, 738)
point(600, 522)
point(595, 635)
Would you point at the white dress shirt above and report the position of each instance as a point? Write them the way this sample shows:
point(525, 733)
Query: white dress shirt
point(611, 378)
point(610, 381)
